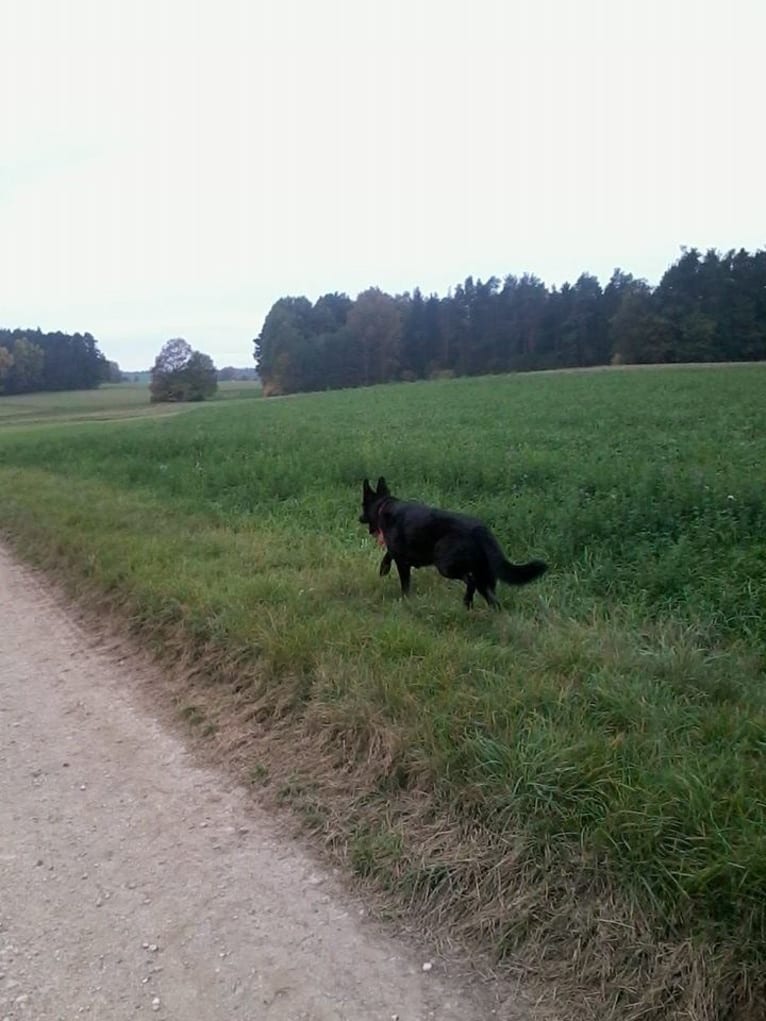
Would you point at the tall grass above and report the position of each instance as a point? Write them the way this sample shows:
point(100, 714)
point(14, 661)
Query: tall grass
point(610, 727)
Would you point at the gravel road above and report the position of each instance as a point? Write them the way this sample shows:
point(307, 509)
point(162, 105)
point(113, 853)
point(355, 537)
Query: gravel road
point(134, 883)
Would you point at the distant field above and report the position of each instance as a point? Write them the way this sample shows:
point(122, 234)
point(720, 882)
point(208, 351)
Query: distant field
point(579, 780)
point(109, 402)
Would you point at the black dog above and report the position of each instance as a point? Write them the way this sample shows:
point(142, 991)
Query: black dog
point(458, 546)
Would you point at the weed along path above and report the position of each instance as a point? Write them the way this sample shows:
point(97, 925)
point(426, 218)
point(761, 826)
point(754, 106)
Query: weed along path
point(134, 883)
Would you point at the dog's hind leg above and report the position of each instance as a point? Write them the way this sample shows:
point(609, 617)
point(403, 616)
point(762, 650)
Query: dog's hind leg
point(485, 583)
point(489, 594)
point(404, 575)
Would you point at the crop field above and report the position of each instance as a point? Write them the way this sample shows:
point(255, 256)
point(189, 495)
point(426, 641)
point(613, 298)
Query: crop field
point(577, 782)
point(111, 402)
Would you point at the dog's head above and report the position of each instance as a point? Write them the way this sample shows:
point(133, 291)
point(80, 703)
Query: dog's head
point(371, 499)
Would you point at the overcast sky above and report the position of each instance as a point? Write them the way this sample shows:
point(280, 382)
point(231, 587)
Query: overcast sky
point(172, 167)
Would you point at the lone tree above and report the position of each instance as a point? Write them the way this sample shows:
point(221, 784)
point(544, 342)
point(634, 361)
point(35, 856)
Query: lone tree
point(180, 374)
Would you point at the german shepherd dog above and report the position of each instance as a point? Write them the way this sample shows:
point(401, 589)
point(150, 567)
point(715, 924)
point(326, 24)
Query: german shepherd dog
point(415, 535)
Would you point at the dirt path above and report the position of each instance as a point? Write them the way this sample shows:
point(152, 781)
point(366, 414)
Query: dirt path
point(133, 883)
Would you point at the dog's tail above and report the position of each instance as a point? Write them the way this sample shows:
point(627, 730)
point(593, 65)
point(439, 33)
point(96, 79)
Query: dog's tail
point(501, 567)
point(520, 574)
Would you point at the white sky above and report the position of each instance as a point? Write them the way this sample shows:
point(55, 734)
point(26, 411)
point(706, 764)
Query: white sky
point(172, 167)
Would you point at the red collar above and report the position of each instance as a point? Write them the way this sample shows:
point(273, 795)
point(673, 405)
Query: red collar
point(380, 537)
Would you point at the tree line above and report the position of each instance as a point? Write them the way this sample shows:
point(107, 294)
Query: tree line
point(709, 307)
point(31, 360)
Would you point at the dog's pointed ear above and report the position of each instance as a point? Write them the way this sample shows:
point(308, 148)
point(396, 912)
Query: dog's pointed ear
point(382, 487)
point(366, 488)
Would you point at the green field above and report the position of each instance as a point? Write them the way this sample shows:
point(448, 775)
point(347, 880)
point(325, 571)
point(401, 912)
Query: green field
point(578, 781)
point(110, 402)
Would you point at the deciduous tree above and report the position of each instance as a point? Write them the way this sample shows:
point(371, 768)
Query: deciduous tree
point(181, 374)
point(6, 363)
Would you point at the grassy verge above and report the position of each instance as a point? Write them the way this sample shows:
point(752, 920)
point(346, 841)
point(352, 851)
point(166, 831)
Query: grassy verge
point(578, 782)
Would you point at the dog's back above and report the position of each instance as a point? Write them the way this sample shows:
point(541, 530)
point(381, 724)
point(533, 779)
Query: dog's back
point(417, 529)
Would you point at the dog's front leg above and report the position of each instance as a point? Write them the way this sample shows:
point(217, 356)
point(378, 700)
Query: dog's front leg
point(385, 564)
